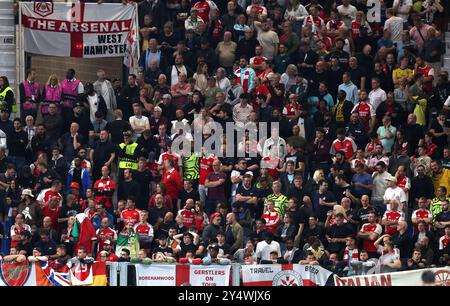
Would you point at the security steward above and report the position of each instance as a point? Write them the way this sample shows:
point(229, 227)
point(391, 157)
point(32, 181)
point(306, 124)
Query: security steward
point(128, 155)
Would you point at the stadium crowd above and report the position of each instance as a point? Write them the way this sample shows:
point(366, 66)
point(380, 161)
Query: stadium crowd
point(354, 176)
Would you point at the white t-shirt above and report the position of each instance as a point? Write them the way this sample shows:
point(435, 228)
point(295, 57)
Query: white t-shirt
point(263, 249)
point(93, 106)
point(395, 26)
point(143, 121)
point(349, 10)
point(376, 97)
point(268, 40)
point(403, 4)
point(394, 193)
point(380, 185)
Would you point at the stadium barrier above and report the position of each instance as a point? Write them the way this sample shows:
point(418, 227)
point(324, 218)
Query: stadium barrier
point(129, 274)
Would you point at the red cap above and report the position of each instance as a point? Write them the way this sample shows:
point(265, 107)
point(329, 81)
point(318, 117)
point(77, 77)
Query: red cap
point(214, 215)
point(75, 185)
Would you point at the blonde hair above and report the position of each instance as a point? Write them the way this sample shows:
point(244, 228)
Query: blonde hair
point(52, 76)
point(339, 209)
point(316, 175)
point(363, 17)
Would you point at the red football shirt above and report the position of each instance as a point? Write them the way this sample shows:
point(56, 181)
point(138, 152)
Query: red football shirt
point(368, 245)
point(188, 217)
point(52, 213)
point(105, 234)
point(205, 168)
point(143, 229)
point(130, 216)
point(392, 216)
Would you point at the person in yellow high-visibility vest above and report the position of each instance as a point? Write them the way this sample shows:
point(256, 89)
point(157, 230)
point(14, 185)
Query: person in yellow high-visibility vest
point(128, 157)
point(6, 95)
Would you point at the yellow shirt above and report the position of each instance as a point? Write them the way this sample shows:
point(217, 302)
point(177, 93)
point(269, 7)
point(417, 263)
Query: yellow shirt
point(441, 179)
point(400, 73)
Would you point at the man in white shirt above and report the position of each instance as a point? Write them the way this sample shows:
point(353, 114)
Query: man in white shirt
point(267, 38)
point(347, 12)
point(104, 88)
point(380, 184)
point(402, 8)
point(265, 247)
point(138, 122)
point(242, 110)
point(394, 24)
point(377, 95)
point(393, 192)
point(275, 140)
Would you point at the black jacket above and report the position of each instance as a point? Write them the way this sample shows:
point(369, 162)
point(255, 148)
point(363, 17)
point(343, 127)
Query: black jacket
point(246, 48)
point(159, 12)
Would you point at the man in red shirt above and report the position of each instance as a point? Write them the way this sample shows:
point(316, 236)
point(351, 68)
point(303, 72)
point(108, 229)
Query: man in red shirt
point(445, 240)
point(104, 189)
point(365, 111)
point(105, 234)
point(402, 180)
point(169, 155)
point(131, 213)
point(369, 233)
point(206, 168)
point(314, 19)
point(51, 209)
point(272, 217)
point(257, 61)
point(344, 144)
point(391, 218)
point(173, 181)
point(203, 8)
point(188, 213)
point(421, 214)
point(427, 72)
point(108, 253)
point(144, 230)
point(255, 6)
point(45, 195)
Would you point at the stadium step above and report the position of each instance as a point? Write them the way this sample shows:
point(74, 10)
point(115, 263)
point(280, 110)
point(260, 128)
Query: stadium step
point(7, 41)
point(6, 20)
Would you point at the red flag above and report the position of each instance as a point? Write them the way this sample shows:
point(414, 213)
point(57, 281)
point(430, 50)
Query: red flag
point(87, 232)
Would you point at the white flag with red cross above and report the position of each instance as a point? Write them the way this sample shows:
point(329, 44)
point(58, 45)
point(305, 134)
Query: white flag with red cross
point(78, 29)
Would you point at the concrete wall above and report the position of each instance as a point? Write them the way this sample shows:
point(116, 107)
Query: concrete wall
point(85, 68)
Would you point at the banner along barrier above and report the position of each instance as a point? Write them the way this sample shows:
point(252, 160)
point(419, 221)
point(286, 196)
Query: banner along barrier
point(44, 274)
point(284, 275)
point(405, 278)
point(177, 275)
point(87, 30)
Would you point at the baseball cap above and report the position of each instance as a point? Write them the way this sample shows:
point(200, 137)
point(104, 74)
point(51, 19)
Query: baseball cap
point(28, 192)
point(78, 104)
point(392, 179)
point(107, 241)
point(232, 76)
point(127, 133)
point(166, 96)
point(75, 185)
